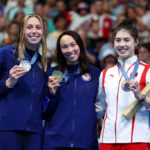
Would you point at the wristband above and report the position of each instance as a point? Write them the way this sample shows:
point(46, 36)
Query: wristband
point(142, 99)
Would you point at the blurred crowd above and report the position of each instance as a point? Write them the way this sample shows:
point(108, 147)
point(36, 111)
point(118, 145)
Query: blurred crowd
point(94, 20)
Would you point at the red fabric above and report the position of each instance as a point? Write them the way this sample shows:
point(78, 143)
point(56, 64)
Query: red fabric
point(132, 146)
point(143, 78)
point(107, 25)
point(103, 80)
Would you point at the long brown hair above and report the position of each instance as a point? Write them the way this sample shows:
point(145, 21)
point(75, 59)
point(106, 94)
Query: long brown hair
point(21, 40)
point(61, 60)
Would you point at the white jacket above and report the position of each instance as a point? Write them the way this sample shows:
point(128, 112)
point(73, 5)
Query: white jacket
point(112, 100)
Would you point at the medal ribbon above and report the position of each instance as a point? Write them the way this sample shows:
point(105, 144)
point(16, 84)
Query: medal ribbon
point(67, 76)
point(34, 58)
point(134, 70)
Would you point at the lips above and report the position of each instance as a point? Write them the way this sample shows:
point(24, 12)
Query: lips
point(71, 56)
point(123, 48)
point(33, 37)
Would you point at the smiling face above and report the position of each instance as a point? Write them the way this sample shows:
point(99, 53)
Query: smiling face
point(143, 54)
point(33, 33)
point(124, 44)
point(70, 49)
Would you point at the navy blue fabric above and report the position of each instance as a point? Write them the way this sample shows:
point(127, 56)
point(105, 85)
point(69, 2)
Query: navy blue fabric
point(20, 140)
point(71, 114)
point(21, 106)
point(64, 148)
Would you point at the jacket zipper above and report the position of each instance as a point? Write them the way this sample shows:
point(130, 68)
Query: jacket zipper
point(73, 120)
point(31, 104)
point(32, 91)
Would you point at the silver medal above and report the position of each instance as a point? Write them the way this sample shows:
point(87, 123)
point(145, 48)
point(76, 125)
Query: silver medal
point(125, 85)
point(25, 64)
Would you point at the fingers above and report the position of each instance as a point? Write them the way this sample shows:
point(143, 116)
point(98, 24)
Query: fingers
point(134, 86)
point(52, 82)
point(16, 72)
point(17, 75)
point(17, 68)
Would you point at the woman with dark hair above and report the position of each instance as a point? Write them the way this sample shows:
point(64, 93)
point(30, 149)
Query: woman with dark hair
point(82, 61)
point(144, 52)
point(70, 115)
point(119, 86)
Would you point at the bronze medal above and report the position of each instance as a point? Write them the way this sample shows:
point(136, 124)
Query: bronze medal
point(125, 85)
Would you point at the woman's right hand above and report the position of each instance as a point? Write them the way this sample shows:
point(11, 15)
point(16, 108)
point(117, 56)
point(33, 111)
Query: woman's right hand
point(14, 74)
point(52, 84)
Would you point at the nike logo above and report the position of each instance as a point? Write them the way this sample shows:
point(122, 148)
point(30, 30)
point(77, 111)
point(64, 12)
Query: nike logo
point(111, 75)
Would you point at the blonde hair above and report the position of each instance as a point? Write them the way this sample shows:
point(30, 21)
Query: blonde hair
point(21, 41)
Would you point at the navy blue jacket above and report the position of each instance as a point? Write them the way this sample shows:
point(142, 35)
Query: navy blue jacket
point(21, 106)
point(71, 114)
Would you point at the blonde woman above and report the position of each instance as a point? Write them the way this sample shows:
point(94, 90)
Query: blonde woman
point(22, 78)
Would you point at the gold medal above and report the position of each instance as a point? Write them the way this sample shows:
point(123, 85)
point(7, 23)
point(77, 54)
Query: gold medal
point(125, 85)
point(58, 75)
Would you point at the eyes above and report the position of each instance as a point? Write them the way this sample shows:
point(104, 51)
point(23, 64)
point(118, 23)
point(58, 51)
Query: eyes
point(65, 46)
point(38, 27)
point(118, 40)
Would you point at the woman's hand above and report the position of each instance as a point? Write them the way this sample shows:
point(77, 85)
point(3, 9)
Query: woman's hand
point(52, 84)
point(14, 74)
point(135, 87)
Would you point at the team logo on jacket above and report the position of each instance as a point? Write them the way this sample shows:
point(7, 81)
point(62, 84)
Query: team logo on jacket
point(86, 77)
